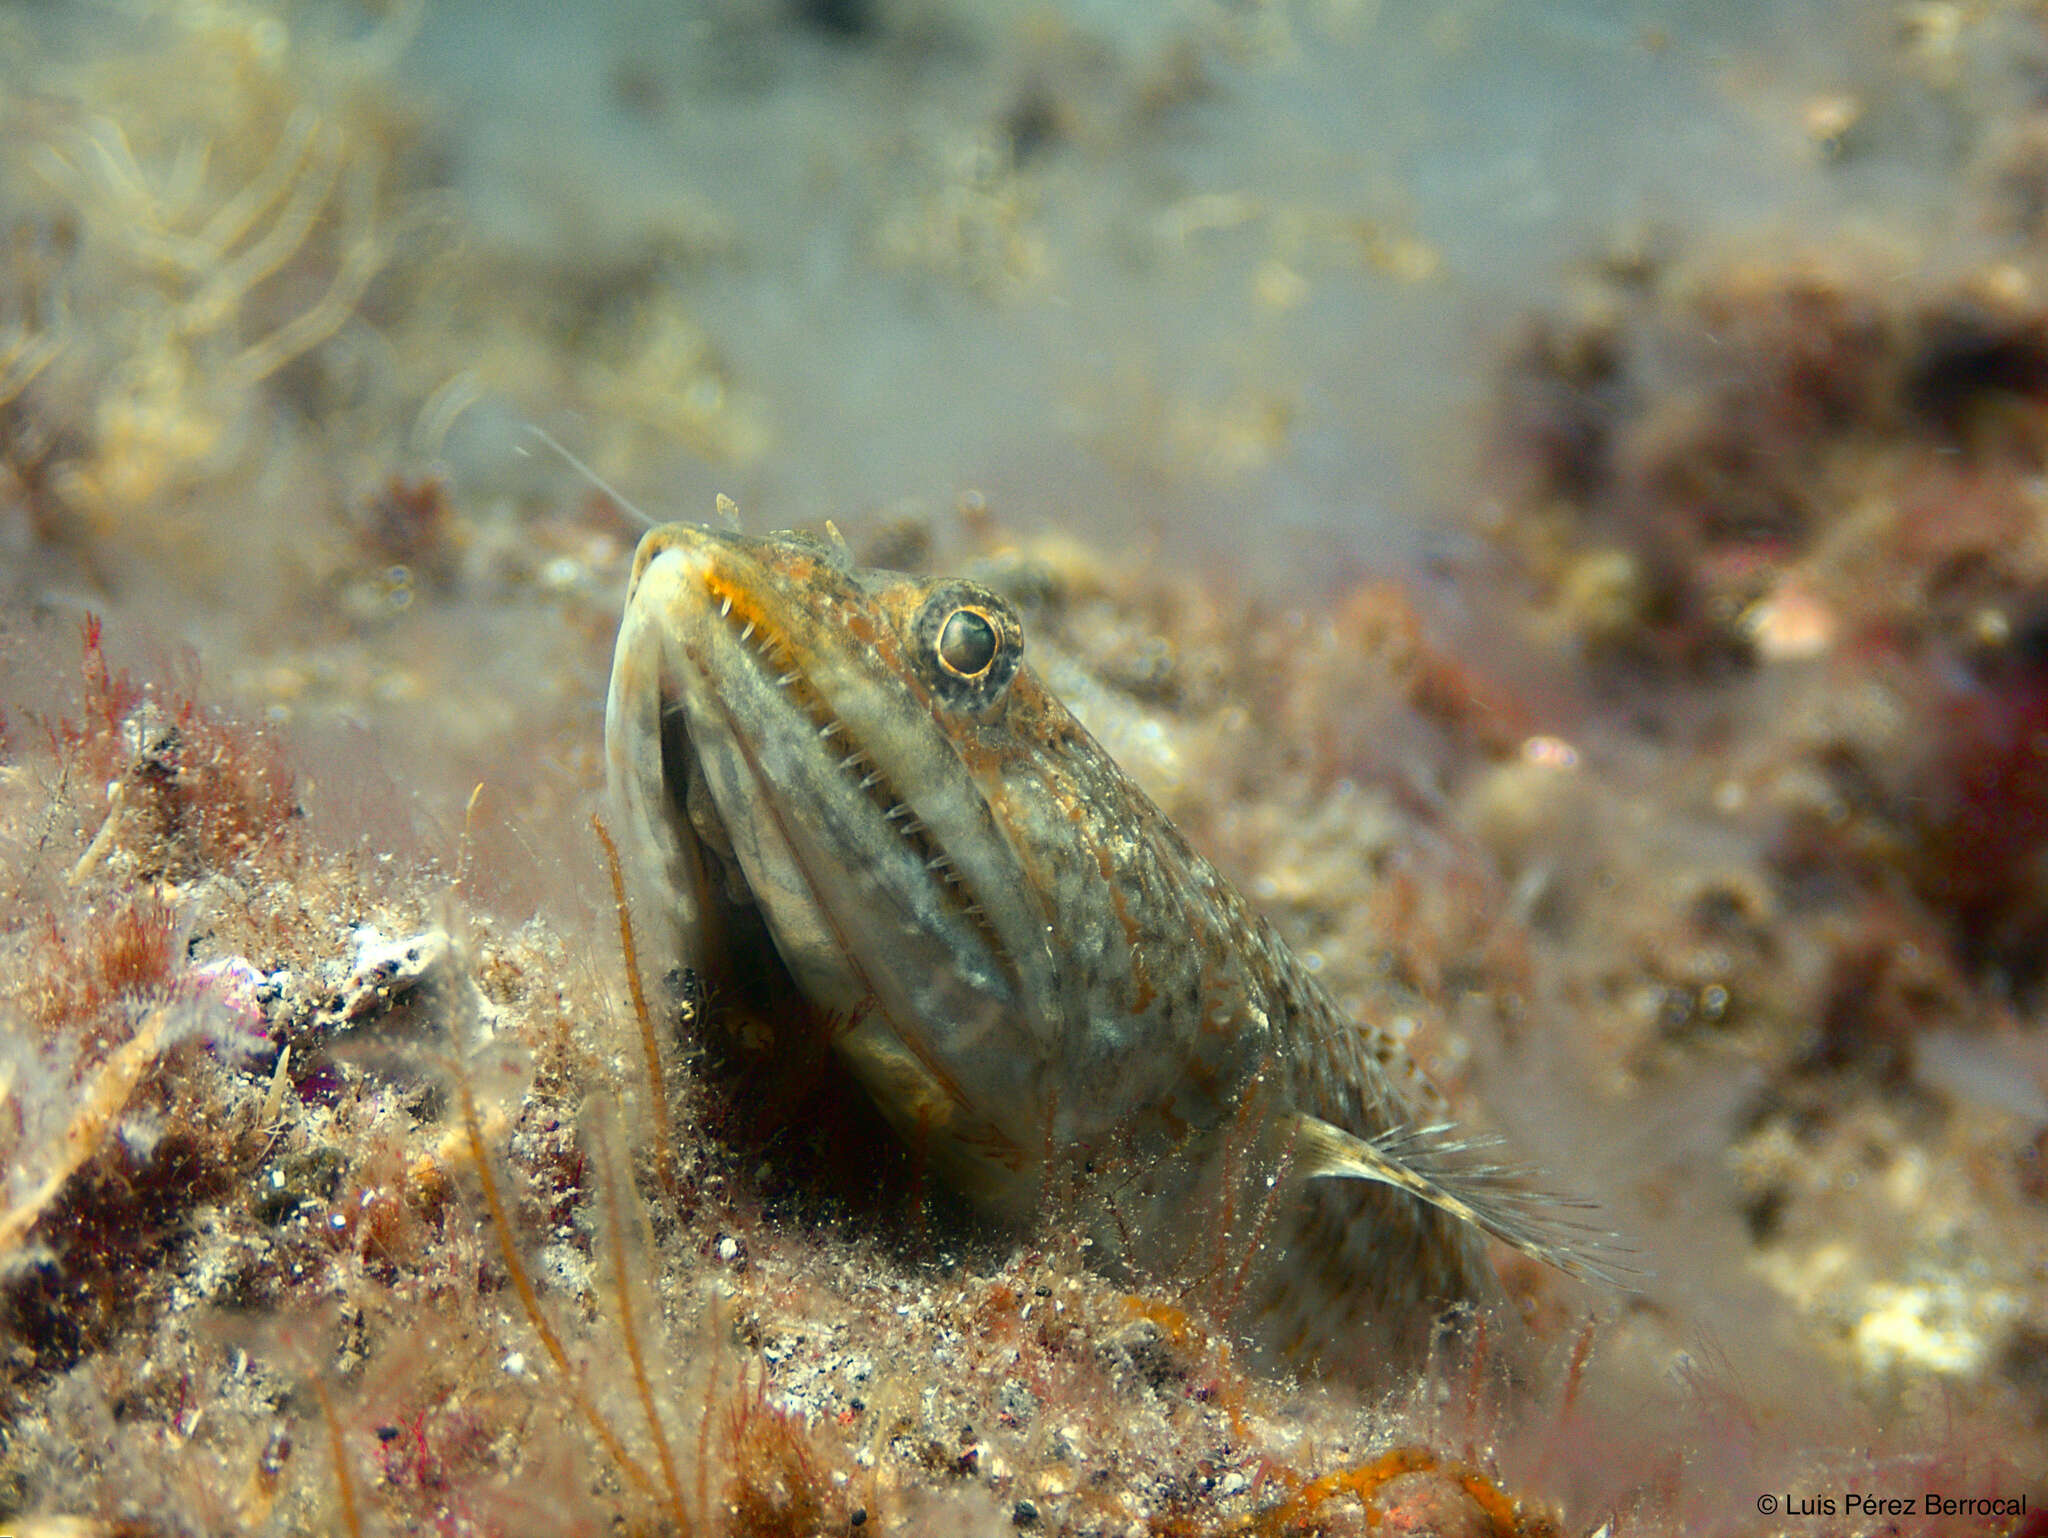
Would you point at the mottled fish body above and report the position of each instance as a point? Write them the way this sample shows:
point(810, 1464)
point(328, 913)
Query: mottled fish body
point(1026, 966)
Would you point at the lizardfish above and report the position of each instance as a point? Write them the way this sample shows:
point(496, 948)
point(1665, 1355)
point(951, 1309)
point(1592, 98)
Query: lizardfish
point(851, 777)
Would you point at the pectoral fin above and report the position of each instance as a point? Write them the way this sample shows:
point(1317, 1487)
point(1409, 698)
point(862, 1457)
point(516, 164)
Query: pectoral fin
point(1430, 1164)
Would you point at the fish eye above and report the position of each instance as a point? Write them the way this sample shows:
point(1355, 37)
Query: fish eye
point(967, 644)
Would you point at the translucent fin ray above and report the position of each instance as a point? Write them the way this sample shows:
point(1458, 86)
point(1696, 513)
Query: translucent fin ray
point(1429, 1164)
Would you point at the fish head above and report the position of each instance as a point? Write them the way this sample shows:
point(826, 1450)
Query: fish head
point(827, 751)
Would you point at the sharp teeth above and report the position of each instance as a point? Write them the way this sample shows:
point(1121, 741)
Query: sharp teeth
point(748, 633)
point(725, 608)
point(871, 781)
point(827, 731)
point(785, 680)
point(898, 810)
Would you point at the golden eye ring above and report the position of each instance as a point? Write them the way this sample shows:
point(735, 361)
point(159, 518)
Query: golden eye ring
point(968, 643)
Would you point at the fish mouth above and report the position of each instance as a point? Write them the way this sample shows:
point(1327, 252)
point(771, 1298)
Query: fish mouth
point(782, 1060)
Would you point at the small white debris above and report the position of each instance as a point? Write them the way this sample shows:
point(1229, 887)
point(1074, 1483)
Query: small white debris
point(1791, 625)
point(1550, 753)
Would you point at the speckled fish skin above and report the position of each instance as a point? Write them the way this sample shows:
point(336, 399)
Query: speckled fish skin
point(1027, 967)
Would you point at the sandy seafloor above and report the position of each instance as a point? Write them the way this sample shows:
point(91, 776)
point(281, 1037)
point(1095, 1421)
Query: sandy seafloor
point(1549, 497)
